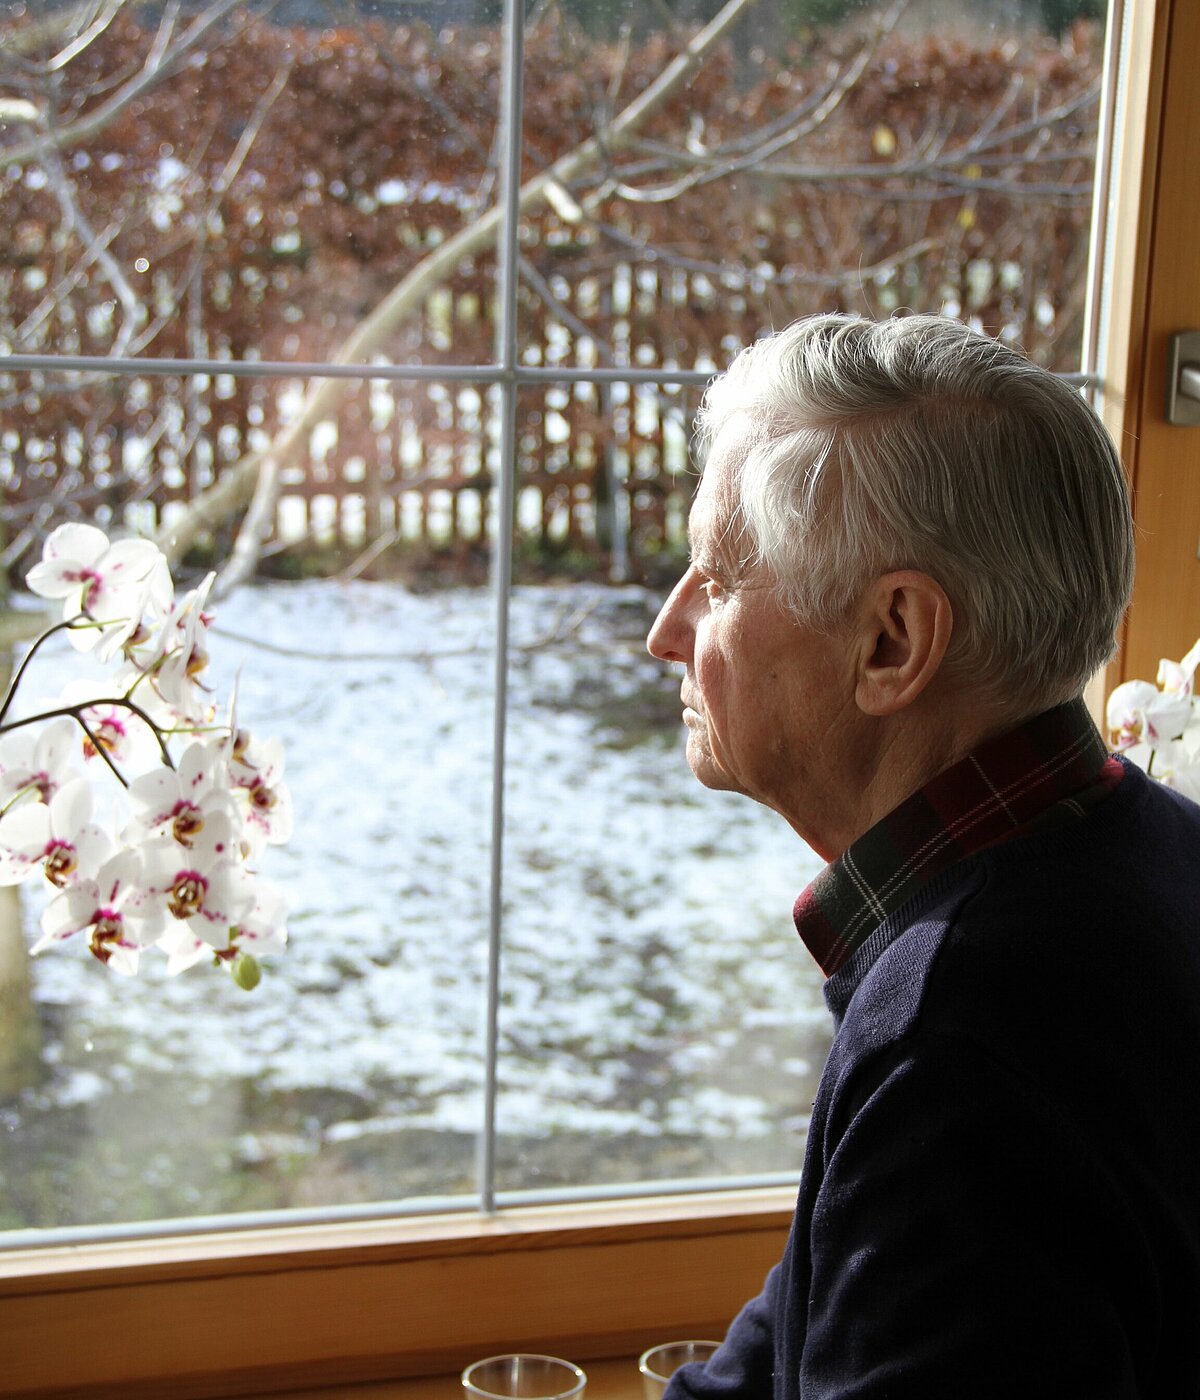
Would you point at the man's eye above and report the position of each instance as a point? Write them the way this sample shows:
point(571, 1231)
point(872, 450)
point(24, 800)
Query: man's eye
point(713, 590)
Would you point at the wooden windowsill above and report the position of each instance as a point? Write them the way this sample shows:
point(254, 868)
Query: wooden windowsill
point(610, 1378)
point(287, 1311)
point(414, 1236)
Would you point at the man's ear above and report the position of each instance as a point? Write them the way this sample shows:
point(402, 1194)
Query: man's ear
point(906, 622)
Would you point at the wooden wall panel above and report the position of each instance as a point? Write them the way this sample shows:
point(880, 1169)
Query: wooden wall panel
point(1164, 460)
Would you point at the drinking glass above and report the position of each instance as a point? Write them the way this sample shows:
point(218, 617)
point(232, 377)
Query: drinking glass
point(660, 1363)
point(523, 1376)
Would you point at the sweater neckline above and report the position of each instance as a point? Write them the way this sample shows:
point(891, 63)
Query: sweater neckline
point(1040, 844)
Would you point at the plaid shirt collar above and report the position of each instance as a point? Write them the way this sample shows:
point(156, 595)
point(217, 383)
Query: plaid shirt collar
point(1047, 771)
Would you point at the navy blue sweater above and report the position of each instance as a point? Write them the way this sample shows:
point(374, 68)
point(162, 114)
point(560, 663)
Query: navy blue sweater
point(1001, 1187)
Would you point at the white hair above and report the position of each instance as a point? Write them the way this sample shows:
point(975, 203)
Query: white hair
point(916, 443)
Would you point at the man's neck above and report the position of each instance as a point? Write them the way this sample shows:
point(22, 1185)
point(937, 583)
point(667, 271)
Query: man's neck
point(893, 757)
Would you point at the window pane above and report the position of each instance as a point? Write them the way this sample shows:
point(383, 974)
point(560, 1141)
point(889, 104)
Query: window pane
point(825, 154)
point(353, 1073)
point(250, 181)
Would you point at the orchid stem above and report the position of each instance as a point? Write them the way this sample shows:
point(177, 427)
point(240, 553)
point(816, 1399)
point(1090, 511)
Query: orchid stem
point(16, 797)
point(75, 712)
point(11, 693)
point(103, 752)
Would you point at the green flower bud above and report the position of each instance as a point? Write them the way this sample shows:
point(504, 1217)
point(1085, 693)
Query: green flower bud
point(246, 972)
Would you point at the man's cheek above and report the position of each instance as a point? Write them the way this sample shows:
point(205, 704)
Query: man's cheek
point(710, 679)
point(717, 746)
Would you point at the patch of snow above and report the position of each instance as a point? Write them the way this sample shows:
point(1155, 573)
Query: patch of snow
point(647, 921)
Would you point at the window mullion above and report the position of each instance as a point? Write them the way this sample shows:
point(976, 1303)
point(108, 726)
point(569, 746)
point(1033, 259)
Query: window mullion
point(506, 356)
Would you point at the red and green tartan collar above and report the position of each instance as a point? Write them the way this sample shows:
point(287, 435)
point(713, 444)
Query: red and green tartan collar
point(1049, 771)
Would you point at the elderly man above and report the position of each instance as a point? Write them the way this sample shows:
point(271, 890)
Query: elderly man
point(910, 550)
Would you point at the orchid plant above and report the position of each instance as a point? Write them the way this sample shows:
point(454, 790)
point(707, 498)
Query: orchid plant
point(198, 797)
point(1158, 727)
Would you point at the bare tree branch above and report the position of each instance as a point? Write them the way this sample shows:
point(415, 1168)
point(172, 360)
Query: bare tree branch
point(53, 28)
point(578, 328)
point(220, 187)
point(108, 10)
point(96, 246)
point(162, 60)
point(567, 624)
point(705, 170)
point(943, 169)
point(256, 475)
point(740, 275)
point(66, 284)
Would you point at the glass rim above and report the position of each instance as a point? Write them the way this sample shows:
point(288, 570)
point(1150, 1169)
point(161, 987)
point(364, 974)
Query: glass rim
point(645, 1368)
point(580, 1376)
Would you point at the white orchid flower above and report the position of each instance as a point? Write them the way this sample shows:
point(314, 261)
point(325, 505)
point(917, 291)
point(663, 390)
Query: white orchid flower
point(178, 654)
point(183, 949)
point(145, 605)
point(260, 932)
point(60, 838)
point(111, 909)
point(226, 739)
point(37, 759)
point(180, 802)
point(1139, 713)
point(123, 735)
point(138, 685)
point(1159, 728)
point(1175, 767)
point(1178, 677)
point(111, 583)
point(204, 888)
point(256, 766)
point(191, 818)
point(264, 929)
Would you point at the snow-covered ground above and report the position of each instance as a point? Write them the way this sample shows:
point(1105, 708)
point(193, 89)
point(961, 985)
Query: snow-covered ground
point(654, 987)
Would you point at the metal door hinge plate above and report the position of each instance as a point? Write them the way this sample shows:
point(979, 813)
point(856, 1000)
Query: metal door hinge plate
point(1183, 379)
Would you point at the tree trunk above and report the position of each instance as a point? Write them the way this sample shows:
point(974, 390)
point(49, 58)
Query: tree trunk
point(20, 1030)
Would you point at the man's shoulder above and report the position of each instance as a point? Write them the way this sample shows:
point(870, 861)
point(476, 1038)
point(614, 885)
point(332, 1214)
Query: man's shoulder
point(1049, 926)
point(878, 997)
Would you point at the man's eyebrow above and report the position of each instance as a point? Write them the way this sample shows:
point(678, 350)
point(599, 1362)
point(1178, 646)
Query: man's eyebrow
point(716, 566)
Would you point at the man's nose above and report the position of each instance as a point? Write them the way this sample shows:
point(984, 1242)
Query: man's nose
point(670, 639)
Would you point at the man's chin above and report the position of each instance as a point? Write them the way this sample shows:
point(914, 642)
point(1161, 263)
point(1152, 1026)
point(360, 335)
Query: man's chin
point(705, 767)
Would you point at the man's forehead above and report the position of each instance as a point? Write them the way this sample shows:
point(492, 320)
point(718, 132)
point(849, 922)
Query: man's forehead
point(714, 503)
point(711, 530)
point(709, 510)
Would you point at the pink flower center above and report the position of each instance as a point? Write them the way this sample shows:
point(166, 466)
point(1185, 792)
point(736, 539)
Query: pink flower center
point(261, 796)
point(108, 928)
point(61, 862)
point(109, 732)
point(185, 898)
point(1132, 729)
point(92, 584)
point(186, 823)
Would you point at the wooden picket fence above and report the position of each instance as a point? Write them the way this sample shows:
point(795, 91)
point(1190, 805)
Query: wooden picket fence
point(319, 228)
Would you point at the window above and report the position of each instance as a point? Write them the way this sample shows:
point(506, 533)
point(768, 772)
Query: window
point(316, 161)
